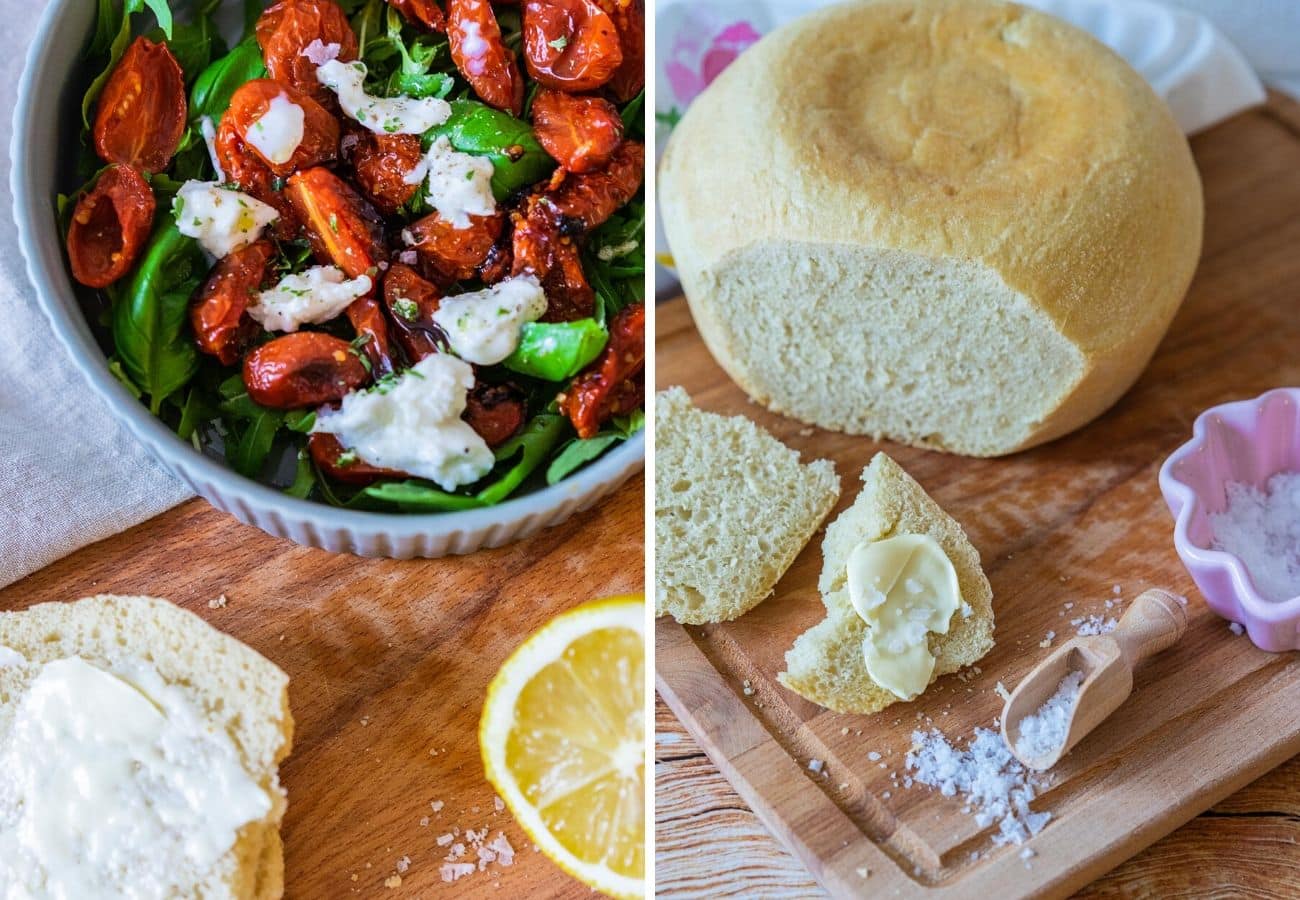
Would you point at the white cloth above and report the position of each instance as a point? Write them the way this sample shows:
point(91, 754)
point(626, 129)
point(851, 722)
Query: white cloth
point(71, 474)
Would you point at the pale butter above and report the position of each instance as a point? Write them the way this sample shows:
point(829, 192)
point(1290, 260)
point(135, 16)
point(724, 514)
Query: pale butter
point(118, 788)
point(903, 587)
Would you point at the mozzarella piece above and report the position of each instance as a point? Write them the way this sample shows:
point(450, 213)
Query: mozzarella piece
point(412, 424)
point(382, 115)
point(312, 296)
point(459, 184)
point(278, 132)
point(483, 326)
point(220, 218)
point(209, 132)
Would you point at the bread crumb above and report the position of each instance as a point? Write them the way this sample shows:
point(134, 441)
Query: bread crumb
point(863, 871)
point(393, 881)
point(498, 804)
point(1047, 641)
point(748, 688)
point(437, 806)
point(403, 864)
point(219, 603)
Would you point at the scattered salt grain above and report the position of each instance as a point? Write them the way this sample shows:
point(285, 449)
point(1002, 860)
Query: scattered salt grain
point(1002, 691)
point(995, 786)
point(1235, 628)
point(748, 688)
point(967, 610)
point(873, 756)
point(815, 765)
point(445, 839)
point(1069, 606)
point(1093, 625)
point(1116, 591)
point(863, 871)
point(498, 804)
point(1047, 641)
point(437, 806)
point(1262, 529)
point(1043, 731)
point(403, 865)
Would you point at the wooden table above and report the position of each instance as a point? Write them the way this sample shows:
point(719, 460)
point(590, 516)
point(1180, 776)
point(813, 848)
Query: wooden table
point(709, 843)
point(388, 662)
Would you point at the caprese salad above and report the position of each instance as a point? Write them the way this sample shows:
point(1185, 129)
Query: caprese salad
point(384, 255)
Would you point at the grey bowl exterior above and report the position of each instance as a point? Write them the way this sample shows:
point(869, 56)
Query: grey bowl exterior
point(43, 96)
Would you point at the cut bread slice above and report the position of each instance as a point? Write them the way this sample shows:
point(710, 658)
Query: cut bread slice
point(733, 508)
point(234, 692)
point(826, 663)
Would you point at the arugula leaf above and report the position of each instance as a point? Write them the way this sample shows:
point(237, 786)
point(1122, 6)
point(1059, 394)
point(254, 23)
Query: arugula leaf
point(556, 351)
point(578, 452)
point(518, 160)
point(531, 446)
point(304, 477)
point(300, 420)
point(150, 322)
point(633, 116)
point(248, 455)
point(218, 82)
point(411, 496)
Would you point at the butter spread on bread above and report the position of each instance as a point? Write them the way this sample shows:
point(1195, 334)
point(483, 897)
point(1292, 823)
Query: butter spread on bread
point(904, 588)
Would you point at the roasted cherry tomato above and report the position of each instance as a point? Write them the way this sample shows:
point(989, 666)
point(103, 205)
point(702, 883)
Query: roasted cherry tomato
point(629, 19)
point(614, 384)
point(499, 260)
point(382, 163)
point(570, 45)
point(411, 302)
point(246, 169)
point(342, 227)
point(306, 368)
point(221, 326)
point(110, 225)
point(320, 130)
point(452, 254)
point(338, 463)
point(421, 12)
point(482, 56)
point(580, 133)
point(367, 317)
point(583, 202)
point(568, 295)
point(289, 27)
point(495, 411)
point(142, 108)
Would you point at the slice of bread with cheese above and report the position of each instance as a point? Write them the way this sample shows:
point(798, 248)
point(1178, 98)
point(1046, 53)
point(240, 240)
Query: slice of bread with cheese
point(826, 663)
point(733, 508)
point(160, 740)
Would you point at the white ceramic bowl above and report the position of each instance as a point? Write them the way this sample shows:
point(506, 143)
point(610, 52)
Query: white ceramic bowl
point(44, 133)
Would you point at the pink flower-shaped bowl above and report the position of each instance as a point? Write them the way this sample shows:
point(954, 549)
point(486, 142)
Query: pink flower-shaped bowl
point(1247, 441)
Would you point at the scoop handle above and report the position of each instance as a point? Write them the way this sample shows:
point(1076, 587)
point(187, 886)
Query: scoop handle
point(1155, 621)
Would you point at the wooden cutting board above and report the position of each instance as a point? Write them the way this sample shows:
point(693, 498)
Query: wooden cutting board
point(1063, 524)
point(388, 664)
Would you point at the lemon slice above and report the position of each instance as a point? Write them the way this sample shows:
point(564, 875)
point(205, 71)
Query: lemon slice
point(563, 742)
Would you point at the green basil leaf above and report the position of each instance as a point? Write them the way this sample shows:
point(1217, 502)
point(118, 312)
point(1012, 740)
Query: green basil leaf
point(116, 48)
point(532, 446)
point(194, 44)
point(578, 453)
point(477, 128)
point(556, 351)
point(412, 84)
point(411, 496)
point(163, 13)
point(218, 82)
point(248, 455)
point(150, 320)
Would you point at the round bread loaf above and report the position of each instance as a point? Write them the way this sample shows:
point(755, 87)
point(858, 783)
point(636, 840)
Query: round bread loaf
point(959, 224)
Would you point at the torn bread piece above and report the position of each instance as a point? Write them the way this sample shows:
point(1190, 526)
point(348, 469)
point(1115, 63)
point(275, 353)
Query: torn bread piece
point(828, 664)
point(159, 743)
point(733, 508)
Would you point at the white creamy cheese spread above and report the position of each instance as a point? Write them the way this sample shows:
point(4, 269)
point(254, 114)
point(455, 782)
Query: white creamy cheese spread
point(413, 424)
point(112, 786)
point(382, 115)
point(483, 326)
point(209, 132)
point(903, 587)
point(278, 132)
point(221, 219)
point(312, 296)
point(459, 184)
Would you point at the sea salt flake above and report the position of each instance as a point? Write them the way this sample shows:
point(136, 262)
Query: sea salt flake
point(1262, 529)
point(1236, 628)
point(1044, 730)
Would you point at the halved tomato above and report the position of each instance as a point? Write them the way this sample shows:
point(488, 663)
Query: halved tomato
point(303, 369)
point(341, 226)
point(110, 225)
point(382, 163)
point(221, 326)
point(289, 27)
point(452, 254)
point(142, 109)
point(482, 56)
point(570, 45)
point(320, 130)
point(580, 133)
point(614, 384)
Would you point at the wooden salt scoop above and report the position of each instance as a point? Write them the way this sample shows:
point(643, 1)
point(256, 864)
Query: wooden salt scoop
point(1155, 621)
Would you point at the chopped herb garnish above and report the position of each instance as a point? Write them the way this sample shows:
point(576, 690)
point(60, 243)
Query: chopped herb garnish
point(559, 43)
point(406, 308)
point(347, 458)
point(277, 184)
point(334, 223)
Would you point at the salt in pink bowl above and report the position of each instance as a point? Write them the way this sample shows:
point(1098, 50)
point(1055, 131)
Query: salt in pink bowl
point(1248, 441)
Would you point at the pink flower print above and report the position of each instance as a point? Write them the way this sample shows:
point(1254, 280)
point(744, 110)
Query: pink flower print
point(689, 72)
